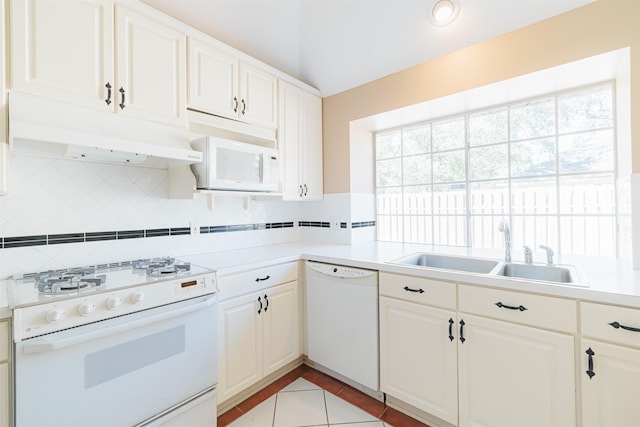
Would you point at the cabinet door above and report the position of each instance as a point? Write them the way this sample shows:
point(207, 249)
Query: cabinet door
point(240, 334)
point(610, 397)
point(63, 49)
point(311, 158)
point(511, 375)
point(258, 96)
point(418, 361)
point(280, 326)
point(213, 80)
point(290, 102)
point(152, 64)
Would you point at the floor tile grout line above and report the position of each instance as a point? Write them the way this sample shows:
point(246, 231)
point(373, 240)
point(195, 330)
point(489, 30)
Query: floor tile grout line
point(326, 409)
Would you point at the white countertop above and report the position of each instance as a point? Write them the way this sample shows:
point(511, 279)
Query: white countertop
point(609, 280)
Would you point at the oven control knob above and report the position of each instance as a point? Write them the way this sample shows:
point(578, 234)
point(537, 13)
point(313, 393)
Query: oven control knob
point(138, 297)
point(55, 315)
point(113, 303)
point(86, 308)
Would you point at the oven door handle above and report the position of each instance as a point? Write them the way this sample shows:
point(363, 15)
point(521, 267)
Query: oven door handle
point(51, 345)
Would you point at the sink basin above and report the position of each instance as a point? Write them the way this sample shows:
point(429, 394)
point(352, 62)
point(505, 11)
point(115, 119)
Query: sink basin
point(547, 273)
point(458, 263)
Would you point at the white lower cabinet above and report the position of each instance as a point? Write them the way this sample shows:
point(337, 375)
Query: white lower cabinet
point(479, 358)
point(418, 359)
point(610, 385)
point(610, 371)
point(513, 375)
point(259, 331)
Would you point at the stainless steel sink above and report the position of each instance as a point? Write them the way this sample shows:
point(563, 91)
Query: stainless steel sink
point(547, 273)
point(458, 263)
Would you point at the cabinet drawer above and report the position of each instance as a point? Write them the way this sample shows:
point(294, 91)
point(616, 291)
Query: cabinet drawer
point(4, 341)
point(253, 280)
point(418, 290)
point(600, 321)
point(535, 310)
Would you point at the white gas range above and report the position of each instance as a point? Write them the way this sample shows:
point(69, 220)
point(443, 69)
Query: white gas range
point(131, 343)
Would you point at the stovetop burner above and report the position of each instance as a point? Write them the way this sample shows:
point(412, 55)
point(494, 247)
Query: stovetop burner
point(161, 266)
point(69, 281)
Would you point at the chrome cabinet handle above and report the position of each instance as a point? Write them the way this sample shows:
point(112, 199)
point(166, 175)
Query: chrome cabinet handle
point(122, 103)
point(108, 100)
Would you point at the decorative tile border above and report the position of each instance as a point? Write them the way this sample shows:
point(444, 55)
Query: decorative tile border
point(57, 239)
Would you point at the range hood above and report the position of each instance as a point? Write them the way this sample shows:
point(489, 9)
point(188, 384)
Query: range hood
point(44, 127)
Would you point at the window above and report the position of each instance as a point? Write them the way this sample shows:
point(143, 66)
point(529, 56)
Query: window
point(547, 165)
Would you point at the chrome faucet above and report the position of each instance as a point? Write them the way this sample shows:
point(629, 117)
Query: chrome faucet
point(503, 227)
point(528, 255)
point(549, 254)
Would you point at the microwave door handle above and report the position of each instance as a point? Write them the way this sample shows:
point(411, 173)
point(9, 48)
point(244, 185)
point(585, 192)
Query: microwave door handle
point(50, 345)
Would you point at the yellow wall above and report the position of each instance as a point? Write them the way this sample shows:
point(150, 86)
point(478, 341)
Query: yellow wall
point(599, 27)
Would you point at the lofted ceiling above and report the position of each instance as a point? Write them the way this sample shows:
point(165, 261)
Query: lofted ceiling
point(335, 45)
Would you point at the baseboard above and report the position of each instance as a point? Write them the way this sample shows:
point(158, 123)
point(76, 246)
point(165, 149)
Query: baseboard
point(416, 413)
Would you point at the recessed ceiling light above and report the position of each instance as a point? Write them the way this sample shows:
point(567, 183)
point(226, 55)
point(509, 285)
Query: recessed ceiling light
point(444, 12)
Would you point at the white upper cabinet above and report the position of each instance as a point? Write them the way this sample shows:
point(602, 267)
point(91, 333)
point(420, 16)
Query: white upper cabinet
point(213, 80)
point(300, 143)
point(151, 62)
point(220, 84)
point(258, 96)
point(3, 101)
point(66, 50)
point(63, 50)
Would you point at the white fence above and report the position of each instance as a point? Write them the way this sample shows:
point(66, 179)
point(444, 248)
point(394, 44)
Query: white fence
point(580, 220)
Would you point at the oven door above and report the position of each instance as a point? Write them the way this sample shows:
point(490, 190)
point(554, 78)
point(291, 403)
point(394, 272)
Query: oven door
point(145, 367)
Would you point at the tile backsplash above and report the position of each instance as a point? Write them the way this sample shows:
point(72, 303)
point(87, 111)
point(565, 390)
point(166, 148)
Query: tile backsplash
point(60, 213)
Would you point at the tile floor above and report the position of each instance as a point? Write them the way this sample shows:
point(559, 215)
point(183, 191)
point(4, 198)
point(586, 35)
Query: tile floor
point(306, 397)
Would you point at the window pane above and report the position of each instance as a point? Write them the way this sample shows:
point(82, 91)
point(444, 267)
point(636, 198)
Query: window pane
point(489, 198)
point(586, 152)
point(389, 228)
point(534, 196)
point(534, 157)
point(588, 235)
point(418, 229)
point(534, 231)
point(389, 201)
point(533, 120)
point(448, 167)
point(416, 140)
point(489, 162)
point(417, 200)
point(417, 170)
point(448, 134)
point(387, 145)
point(484, 232)
point(488, 127)
point(587, 194)
point(449, 230)
point(388, 172)
point(592, 109)
point(449, 200)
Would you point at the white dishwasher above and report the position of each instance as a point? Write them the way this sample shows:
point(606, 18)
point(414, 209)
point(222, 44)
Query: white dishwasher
point(342, 321)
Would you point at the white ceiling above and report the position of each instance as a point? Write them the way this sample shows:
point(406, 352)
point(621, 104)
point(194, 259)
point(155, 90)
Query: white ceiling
point(335, 45)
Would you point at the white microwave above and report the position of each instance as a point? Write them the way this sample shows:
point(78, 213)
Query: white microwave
point(236, 166)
